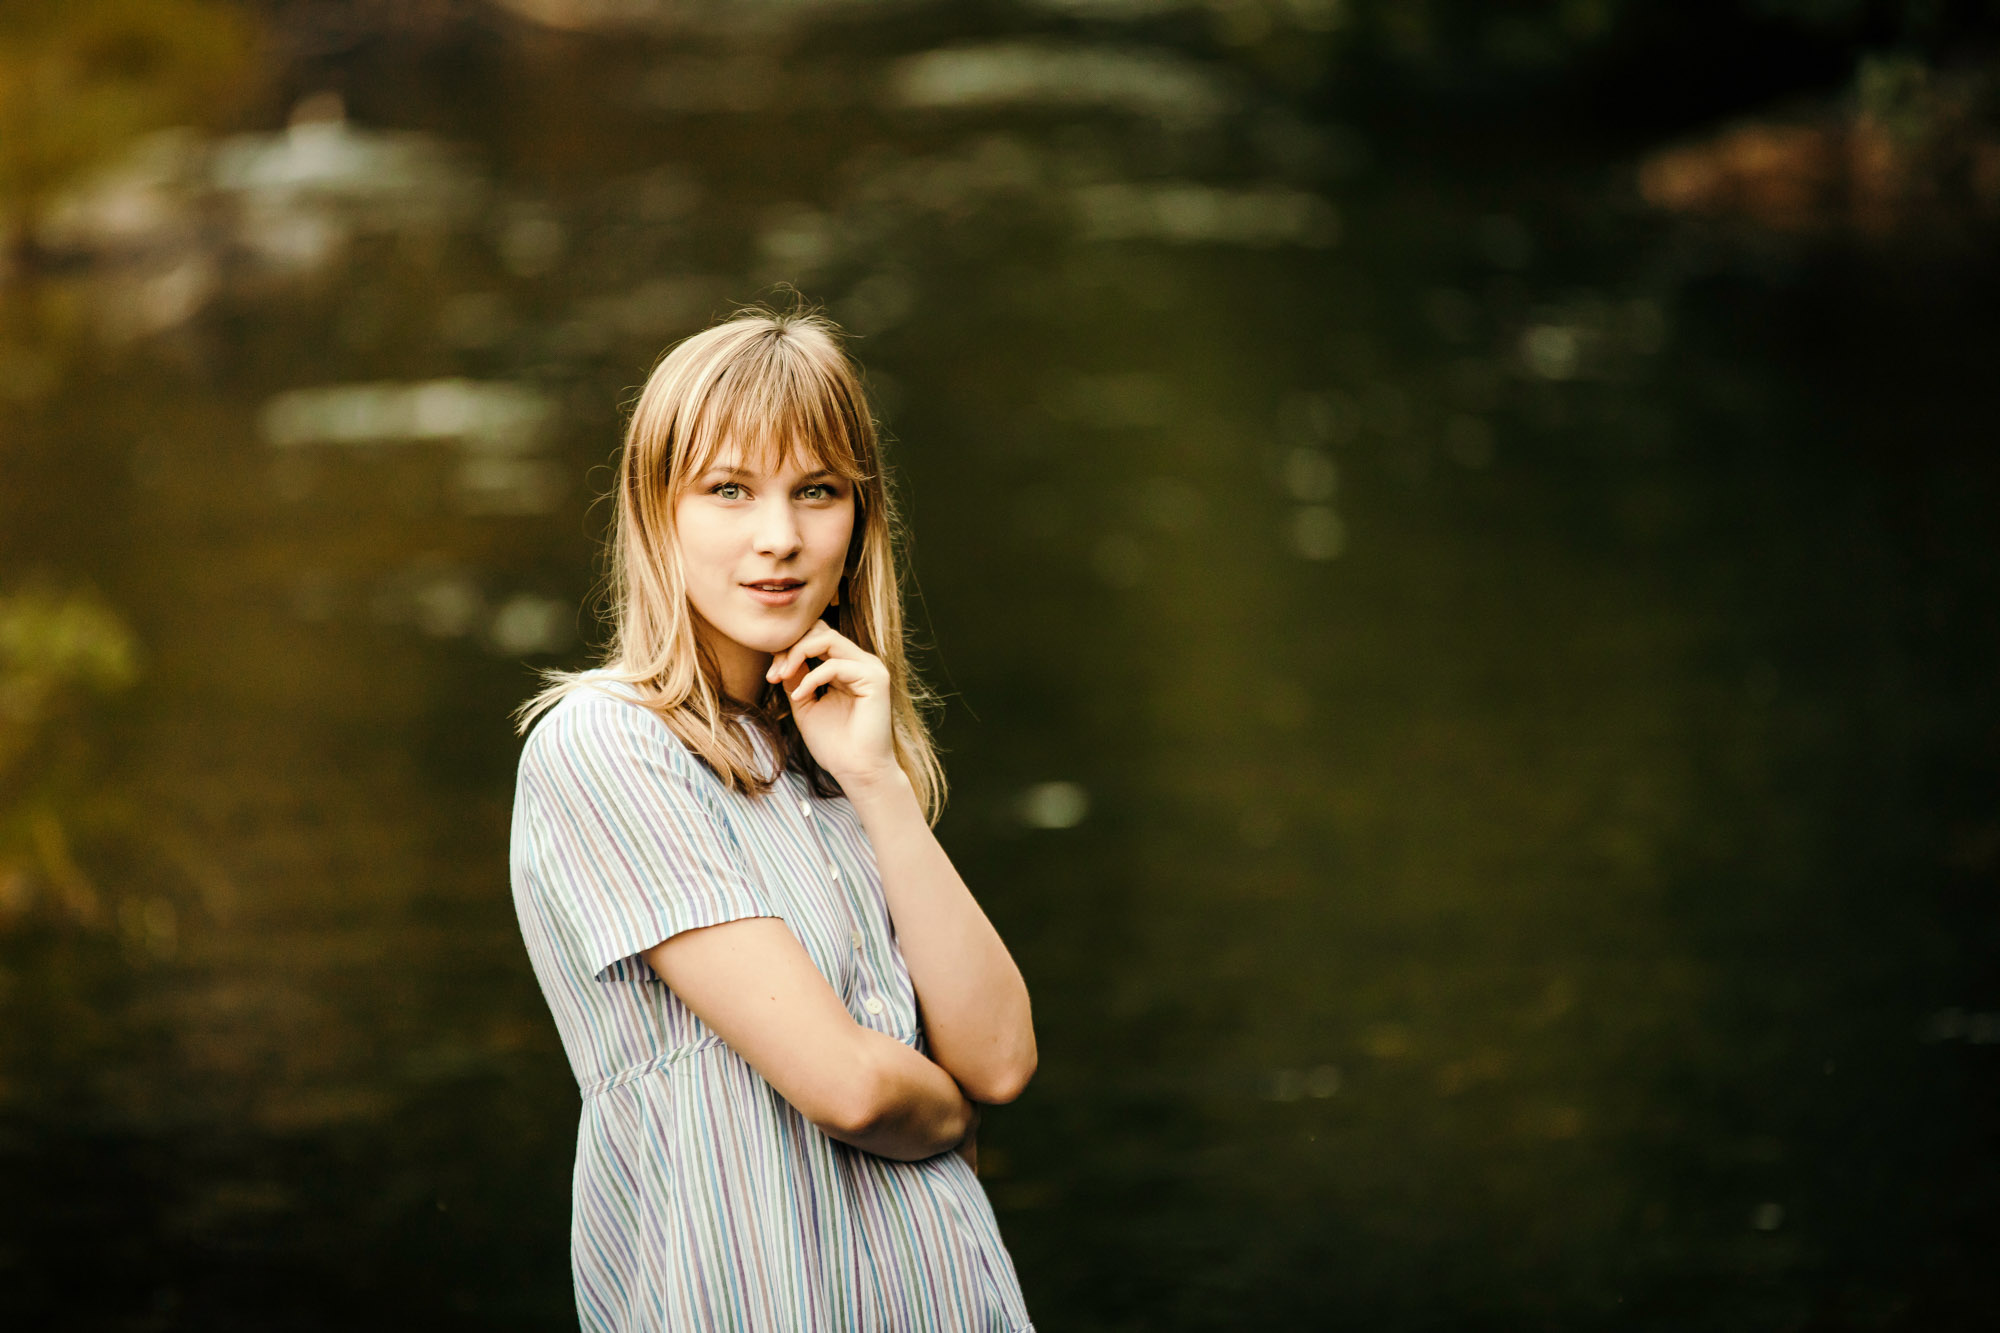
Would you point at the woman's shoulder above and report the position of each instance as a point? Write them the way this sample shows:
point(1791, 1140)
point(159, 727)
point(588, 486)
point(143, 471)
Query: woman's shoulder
point(597, 712)
point(601, 726)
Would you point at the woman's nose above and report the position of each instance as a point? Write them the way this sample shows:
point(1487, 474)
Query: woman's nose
point(777, 530)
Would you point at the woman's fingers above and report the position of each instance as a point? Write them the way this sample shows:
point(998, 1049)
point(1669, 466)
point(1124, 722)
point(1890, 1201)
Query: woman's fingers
point(823, 641)
point(789, 662)
point(829, 672)
point(815, 642)
point(804, 691)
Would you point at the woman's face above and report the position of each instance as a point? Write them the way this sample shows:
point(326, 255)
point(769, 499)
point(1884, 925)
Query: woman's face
point(762, 554)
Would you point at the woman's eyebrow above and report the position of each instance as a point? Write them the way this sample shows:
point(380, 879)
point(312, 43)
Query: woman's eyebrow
point(720, 471)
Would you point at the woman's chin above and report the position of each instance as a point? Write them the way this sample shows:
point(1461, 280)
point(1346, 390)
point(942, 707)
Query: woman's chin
point(773, 637)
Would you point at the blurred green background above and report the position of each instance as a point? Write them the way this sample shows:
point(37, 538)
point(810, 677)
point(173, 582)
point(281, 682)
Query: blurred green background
point(1459, 538)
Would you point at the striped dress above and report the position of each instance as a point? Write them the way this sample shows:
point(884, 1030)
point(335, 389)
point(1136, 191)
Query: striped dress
point(702, 1199)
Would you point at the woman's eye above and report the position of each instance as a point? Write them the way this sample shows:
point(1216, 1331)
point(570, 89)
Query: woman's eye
point(732, 490)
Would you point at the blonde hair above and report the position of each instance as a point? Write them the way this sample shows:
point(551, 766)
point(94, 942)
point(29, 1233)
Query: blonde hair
point(777, 384)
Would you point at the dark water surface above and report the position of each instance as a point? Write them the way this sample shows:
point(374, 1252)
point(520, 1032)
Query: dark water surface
point(1472, 700)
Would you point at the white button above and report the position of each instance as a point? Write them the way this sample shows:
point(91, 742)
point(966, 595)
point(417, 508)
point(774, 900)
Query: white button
point(834, 871)
point(872, 1005)
point(806, 808)
point(857, 939)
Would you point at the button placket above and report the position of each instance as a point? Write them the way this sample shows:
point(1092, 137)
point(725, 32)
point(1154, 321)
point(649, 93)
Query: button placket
point(872, 1004)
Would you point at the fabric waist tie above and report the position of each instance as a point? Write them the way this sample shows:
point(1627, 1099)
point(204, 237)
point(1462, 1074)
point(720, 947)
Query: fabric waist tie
point(652, 1066)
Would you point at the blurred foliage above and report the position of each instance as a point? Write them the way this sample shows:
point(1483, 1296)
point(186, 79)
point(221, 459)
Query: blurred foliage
point(57, 653)
point(80, 79)
point(1908, 150)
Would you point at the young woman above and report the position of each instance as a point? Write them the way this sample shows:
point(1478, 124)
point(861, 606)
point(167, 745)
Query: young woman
point(781, 1002)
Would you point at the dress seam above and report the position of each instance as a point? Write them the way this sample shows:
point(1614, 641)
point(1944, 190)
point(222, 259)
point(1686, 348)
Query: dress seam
point(599, 1087)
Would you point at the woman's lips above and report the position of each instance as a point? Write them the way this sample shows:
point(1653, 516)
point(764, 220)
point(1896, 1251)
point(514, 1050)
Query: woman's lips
point(776, 592)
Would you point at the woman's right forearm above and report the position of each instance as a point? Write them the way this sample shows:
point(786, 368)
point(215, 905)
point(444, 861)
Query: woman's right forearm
point(905, 1107)
point(755, 986)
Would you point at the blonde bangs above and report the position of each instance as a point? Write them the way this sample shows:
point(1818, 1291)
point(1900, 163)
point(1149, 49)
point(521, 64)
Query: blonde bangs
point(775, 404)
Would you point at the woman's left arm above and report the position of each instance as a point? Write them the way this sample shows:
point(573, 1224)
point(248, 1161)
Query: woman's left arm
point(975, 1005)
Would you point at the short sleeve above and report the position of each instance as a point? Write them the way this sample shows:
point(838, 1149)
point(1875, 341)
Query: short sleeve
point(630, 851)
